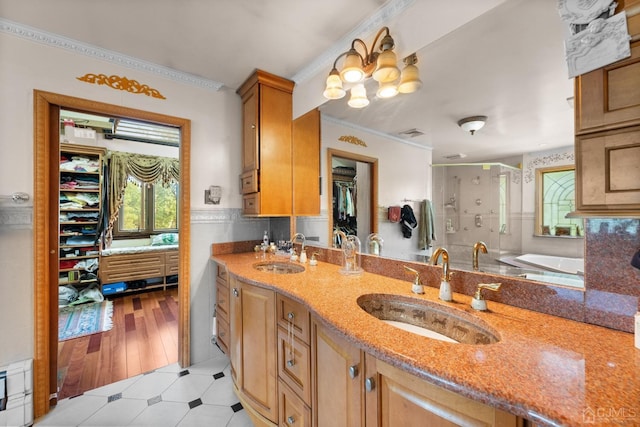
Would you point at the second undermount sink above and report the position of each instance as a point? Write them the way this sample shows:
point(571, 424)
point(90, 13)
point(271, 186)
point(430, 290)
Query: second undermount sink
point(428, 319)
point(279, 267)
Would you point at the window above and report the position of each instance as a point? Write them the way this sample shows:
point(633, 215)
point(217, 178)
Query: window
point(555, 193)
point(148, 209)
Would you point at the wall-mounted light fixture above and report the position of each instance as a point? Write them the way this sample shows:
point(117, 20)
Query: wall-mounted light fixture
point(382, 66)
point(472, 124)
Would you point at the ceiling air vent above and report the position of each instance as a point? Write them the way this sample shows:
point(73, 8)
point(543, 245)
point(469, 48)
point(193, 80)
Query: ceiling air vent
point(411, 133)
point(455, 156)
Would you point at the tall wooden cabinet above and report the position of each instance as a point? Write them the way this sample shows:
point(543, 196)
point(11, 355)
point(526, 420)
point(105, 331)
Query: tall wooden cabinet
point(607, 128)
point(80, 201)
point(253, 348)
point(267, 111)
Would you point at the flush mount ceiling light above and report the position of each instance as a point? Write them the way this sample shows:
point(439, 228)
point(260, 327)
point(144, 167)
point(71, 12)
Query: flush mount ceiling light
point(472, 124)
point(381, 66)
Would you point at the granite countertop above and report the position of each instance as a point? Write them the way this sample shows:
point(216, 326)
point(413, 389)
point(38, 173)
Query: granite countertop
point(550, 370)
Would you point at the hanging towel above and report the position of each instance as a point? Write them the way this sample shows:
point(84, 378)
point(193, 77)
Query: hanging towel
point(394, 213)
point(426, 227)
point(408, 222)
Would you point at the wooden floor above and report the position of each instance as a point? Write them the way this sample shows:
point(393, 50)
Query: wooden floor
point(144, 337)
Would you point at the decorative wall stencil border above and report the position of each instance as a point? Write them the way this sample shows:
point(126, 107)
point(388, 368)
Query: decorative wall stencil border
point(12, 217)
point(381, 17)
point(549, 160)
point(221, 216)
point(121, 83)
point(80, 48)
point(352, 140)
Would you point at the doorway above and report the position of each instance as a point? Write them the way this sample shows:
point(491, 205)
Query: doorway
point(46, 162)
point(353, 194)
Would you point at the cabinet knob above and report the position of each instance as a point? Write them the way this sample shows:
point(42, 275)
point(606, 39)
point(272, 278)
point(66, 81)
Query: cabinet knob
point(369, 384)
point(291, 420)
point(235, 292)
point(290, 363)
point(353, 371)
point(253, 126)
point(291, 315)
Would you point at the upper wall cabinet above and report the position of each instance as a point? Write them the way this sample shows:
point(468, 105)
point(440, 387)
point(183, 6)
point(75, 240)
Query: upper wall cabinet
point(609, 97)
point(306, 164)
point(266, 181)
point(607, 127)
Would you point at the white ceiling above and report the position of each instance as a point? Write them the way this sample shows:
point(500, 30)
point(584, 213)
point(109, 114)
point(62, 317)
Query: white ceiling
point(499, 58)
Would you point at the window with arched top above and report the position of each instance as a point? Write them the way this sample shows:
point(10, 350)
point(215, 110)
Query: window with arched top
point(555, 194)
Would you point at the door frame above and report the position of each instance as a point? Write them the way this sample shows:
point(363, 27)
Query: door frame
point(46, 106)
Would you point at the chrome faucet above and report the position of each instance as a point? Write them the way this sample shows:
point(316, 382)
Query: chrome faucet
point(479, 245)
point(445, 287)
point(340, 233)
point(295, 237)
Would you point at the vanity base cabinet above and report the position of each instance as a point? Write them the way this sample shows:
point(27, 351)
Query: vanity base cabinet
point(222, 309)
point(337, 367)
point(396, 398)
point(253, 349)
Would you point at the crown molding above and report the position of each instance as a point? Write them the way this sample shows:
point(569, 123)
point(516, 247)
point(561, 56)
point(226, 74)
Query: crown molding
point(331, 119)
point(43, 37)
point(369, 26)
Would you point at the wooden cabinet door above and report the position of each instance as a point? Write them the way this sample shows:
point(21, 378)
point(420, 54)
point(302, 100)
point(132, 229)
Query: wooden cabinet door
point(306, 164)
point(258, 360)
point(235, 331)
point(608, 170)
point(396, 398)
point(250, 124)
point(609, 97)
point(337, 367)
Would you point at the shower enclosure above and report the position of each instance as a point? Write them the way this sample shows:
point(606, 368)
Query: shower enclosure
point(477, 202)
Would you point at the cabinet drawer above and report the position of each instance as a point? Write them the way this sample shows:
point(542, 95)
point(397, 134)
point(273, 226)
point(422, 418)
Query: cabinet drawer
point(290, 310)
point(121, 275)
point(293, 411)
point(222, 300)
point(171, 262)
point(223, 335)
point(249, 182)
point(251, 204)
point(132, 262)
point(294, 365)
point(607, 170)
point(221, 274)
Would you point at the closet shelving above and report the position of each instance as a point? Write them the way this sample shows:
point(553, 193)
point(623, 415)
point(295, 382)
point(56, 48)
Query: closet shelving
point(80, 199)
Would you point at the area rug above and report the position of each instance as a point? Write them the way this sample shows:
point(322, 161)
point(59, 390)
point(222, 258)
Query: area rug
point(84, 319)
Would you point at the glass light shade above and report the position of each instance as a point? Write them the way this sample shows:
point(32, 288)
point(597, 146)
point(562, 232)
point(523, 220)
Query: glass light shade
point(352, 70)
point(358, 97)
point(410, 79)
point(334, 88)
point(387, 90)
point(386, 67)
point(472, 124)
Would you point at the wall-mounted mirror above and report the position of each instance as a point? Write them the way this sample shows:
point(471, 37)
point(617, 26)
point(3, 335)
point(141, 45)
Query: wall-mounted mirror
point(505, 68)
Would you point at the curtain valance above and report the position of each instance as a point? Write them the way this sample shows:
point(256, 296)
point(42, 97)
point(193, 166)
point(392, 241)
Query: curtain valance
point(145, 169)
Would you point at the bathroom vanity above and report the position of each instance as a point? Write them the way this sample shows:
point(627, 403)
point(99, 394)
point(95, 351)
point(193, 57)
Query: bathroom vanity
point(310, 348)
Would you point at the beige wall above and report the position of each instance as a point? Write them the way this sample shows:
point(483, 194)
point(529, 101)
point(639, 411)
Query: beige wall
point(215, 117)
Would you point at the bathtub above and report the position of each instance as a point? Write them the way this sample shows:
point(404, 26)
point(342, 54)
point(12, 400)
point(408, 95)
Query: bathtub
point(547, 262)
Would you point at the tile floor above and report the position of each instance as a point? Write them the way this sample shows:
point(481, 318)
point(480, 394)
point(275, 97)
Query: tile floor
point(199, 395)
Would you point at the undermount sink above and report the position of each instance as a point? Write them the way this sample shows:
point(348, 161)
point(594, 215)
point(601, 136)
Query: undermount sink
point(279, 267)
point(428, 319)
